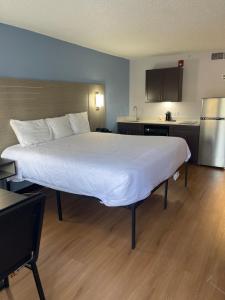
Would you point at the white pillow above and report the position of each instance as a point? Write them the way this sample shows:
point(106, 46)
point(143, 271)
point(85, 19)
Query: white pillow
point(31, 132)
point(60, 126)
point(79, 122)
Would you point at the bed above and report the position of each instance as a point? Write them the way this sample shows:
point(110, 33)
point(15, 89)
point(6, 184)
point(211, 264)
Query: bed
point(119, 170)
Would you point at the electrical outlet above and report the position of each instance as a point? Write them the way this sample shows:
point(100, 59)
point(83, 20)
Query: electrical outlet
point(223, 76)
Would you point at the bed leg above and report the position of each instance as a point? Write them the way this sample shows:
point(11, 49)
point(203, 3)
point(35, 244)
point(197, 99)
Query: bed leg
point(166, 194)
point(133, 226)
point(186, 174)
point(4, 283)
point(59, 206)
point(8, 187)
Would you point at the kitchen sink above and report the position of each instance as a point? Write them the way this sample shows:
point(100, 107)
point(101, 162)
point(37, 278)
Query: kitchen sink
point(187, 123)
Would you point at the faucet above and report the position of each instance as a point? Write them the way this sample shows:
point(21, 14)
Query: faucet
point(135, 109)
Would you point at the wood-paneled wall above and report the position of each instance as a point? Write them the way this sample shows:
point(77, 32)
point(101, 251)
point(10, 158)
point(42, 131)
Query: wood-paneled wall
point(36, 99)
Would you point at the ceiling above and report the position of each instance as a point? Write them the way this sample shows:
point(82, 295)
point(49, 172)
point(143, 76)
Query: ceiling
point(127, 28)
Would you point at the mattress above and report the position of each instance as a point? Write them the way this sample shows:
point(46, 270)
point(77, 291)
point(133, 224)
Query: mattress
point(117, 169)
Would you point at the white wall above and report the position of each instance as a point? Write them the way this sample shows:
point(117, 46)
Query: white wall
point(202, 77)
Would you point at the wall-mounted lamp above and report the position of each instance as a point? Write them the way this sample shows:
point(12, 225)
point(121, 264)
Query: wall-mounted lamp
point(99, 100)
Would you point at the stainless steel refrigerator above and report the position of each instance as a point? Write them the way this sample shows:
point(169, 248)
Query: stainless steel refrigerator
point(212, 133)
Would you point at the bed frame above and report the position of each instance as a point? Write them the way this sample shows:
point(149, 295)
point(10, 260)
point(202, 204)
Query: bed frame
point(133, 206)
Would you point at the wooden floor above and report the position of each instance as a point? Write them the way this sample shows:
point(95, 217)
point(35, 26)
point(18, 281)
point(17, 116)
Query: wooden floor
point(180, 252)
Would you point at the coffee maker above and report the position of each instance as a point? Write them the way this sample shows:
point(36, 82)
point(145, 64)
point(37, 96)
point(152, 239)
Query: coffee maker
point(168, 116)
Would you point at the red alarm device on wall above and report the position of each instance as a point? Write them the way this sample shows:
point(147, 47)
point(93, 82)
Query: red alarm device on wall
point(181, 63)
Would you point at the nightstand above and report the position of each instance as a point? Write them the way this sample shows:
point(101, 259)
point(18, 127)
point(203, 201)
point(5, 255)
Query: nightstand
point(7, 170)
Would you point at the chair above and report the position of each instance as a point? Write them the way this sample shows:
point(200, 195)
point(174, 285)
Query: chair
point(20, 232)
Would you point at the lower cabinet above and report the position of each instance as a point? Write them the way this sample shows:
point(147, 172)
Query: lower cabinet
point(130, 128)
point(189, 133)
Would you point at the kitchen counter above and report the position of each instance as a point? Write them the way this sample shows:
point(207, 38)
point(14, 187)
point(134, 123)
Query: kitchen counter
point(185, 123)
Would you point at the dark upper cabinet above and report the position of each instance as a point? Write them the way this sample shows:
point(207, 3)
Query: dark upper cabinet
point(172, 84)
point(154, 82)
point(164, 84)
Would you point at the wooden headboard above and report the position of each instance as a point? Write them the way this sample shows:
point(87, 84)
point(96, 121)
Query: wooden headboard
point(36, 99)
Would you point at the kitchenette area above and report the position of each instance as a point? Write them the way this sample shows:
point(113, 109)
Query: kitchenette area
point(175, 98)
point(205, 137)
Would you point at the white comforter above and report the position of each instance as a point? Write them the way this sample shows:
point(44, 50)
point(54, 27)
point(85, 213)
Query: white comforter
point(117, 169)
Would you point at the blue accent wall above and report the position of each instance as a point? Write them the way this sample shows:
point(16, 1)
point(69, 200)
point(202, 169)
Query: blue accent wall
point(25, 54)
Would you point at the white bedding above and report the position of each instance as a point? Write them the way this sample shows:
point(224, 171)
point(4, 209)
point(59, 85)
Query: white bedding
point(117, 169)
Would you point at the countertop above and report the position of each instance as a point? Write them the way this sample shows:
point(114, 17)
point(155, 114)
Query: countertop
point(180, 122)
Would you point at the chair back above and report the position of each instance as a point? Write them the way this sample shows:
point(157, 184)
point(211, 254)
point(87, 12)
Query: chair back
point(20, 233)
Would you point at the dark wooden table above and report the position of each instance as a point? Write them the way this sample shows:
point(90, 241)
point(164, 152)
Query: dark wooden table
point(9, 199)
